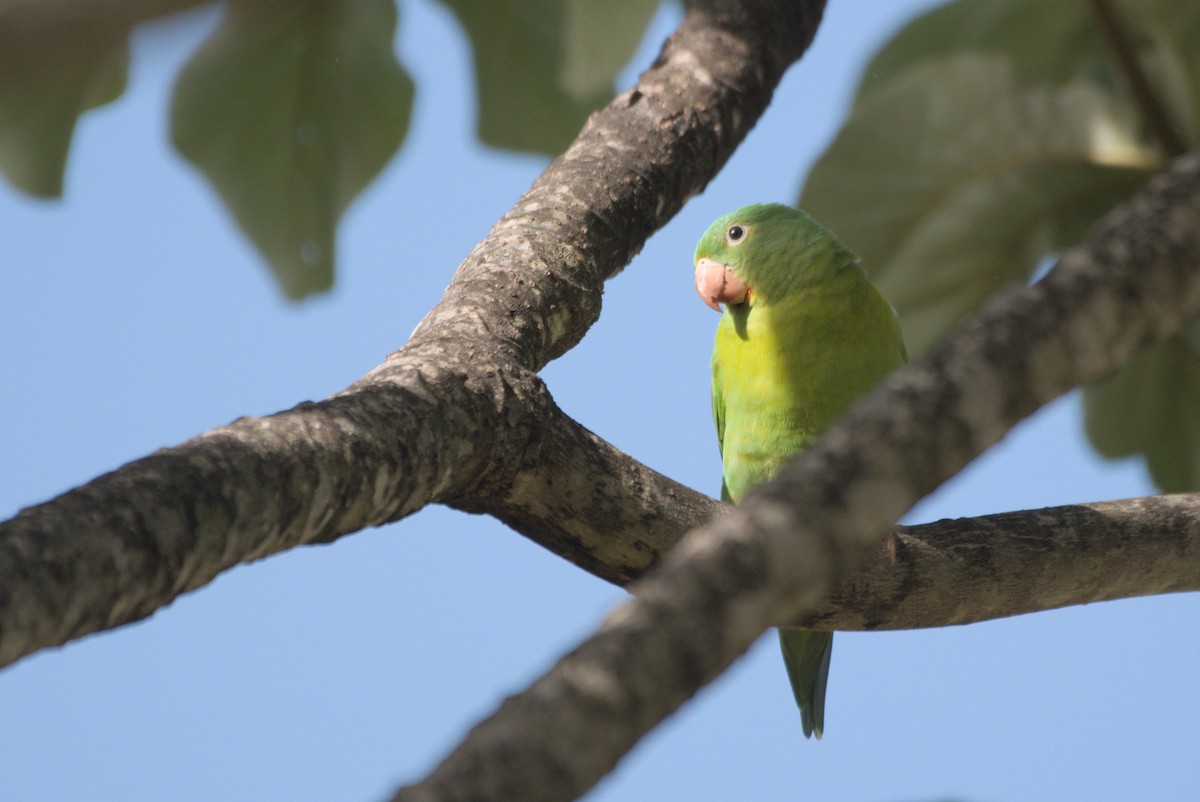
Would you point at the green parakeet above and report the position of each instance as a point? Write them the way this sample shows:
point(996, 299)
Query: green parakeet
point(804, 333)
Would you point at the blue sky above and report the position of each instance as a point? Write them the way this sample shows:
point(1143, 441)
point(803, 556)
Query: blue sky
point(134, 315)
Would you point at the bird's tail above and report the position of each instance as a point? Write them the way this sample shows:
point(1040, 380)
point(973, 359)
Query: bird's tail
point(806, 655)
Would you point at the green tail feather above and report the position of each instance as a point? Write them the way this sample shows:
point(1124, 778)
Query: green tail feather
point(806, 655)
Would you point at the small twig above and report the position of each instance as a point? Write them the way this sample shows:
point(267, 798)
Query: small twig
point(1154, 112)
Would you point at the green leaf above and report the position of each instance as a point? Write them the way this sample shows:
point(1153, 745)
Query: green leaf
point(542, 66)
point(1152, 407)
point(953, 180)
point(1056, 41)
point(1169, 33)
point(45, 85)
point(290, 109)
point(590, 63)
point(1047, 41)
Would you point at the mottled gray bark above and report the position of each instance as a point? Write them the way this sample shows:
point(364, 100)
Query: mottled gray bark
point(975, 569)
point(458, 415)
point(780, 554)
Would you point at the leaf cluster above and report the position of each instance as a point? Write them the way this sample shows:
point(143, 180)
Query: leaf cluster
point(291, 108)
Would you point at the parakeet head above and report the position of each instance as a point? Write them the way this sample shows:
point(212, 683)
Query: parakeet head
point(762, 252)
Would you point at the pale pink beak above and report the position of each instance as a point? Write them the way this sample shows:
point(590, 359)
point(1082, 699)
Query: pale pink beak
point(717, 284)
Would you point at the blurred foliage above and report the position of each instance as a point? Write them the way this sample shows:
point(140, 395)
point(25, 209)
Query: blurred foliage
point(292, 107)
point(1053, 45)
point(541, 66)
point(989, 135)
point(950, 195)
point(1150, 403)
point(44, 86)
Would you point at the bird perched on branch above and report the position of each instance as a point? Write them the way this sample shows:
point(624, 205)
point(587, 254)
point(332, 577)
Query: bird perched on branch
point(804, 333)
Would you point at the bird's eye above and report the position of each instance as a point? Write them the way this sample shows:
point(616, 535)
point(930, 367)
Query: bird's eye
point(735, 234)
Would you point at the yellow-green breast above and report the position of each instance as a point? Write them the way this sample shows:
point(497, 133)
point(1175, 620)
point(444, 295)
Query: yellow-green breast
point(783, 372)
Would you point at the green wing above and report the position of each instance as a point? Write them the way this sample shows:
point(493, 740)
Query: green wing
point(718, 405)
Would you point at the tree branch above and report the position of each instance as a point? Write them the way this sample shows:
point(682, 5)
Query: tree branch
point(779, 555)
point(457, 415)
point(976, 569)
point(591, 503)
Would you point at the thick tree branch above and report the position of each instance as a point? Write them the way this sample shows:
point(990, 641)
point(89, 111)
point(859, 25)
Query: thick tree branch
point(976, 569)
point(945, 573)
point(780, 554)
point(591, 503)
point(458, 415)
